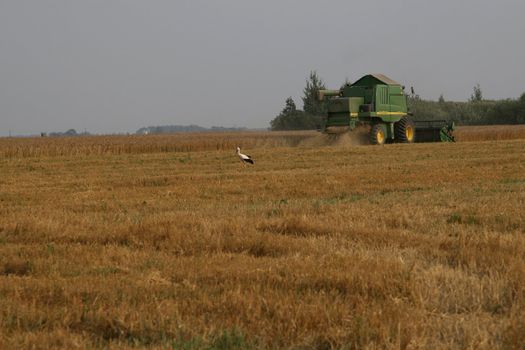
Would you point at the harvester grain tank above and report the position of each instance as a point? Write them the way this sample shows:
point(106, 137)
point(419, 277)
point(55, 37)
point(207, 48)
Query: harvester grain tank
point(380, 102)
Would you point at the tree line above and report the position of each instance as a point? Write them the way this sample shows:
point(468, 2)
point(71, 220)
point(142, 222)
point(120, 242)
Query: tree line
point(475, 111)
point(170, 129)
point(472, 112)
point(310, 117)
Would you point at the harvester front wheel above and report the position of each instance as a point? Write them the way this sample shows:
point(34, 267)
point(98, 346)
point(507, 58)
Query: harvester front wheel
point(377, 135)
point(405, 130)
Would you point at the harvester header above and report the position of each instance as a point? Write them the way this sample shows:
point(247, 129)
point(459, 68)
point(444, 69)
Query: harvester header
point(380, 102)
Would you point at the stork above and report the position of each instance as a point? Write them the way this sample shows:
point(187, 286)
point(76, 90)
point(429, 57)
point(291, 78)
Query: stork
point(243, 157)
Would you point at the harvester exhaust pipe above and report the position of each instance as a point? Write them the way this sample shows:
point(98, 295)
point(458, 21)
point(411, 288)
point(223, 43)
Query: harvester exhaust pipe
point(323, 93)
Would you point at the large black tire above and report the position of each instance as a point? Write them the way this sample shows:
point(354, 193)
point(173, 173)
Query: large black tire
point(377, 135)
point(405, 130)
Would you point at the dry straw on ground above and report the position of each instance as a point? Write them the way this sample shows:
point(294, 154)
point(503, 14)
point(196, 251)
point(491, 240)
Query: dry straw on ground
point(325, 245)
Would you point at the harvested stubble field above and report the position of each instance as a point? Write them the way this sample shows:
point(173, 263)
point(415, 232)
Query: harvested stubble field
point(131, 242)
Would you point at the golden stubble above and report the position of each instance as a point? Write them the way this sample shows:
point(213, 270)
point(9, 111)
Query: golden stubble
point(318, 245)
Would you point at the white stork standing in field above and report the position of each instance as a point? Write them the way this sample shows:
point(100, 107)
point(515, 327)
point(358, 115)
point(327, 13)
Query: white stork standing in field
point(243, 157)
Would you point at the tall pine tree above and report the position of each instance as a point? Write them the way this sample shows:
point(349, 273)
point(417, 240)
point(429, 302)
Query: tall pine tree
point(285, 119)
point(311, 103)
point(289, 107)
point(477, 95)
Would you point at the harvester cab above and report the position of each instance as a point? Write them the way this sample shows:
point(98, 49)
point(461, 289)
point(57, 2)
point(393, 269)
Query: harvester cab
point(380, 102)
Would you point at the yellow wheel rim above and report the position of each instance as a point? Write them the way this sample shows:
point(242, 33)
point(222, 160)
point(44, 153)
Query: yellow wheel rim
point(409, 132)
point(380, 136)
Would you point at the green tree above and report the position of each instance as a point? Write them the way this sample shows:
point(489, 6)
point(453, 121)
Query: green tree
point(289, 107)
point(311, 103)
point(441, 99)
point(508, 111)
point(284, 119)
point(477, 95)
point(291, 118)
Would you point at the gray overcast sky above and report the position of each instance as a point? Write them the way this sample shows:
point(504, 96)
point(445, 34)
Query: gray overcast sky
point(117, 65)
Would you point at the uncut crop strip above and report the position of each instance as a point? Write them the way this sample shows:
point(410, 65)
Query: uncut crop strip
point(194, 142)
point(490, 132)
point(140, 144)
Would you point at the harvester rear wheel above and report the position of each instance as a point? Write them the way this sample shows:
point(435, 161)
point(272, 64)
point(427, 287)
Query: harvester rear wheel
point(377, 135)
point(405, 130)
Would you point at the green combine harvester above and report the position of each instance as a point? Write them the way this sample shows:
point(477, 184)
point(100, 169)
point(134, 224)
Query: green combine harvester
point(380, 102)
